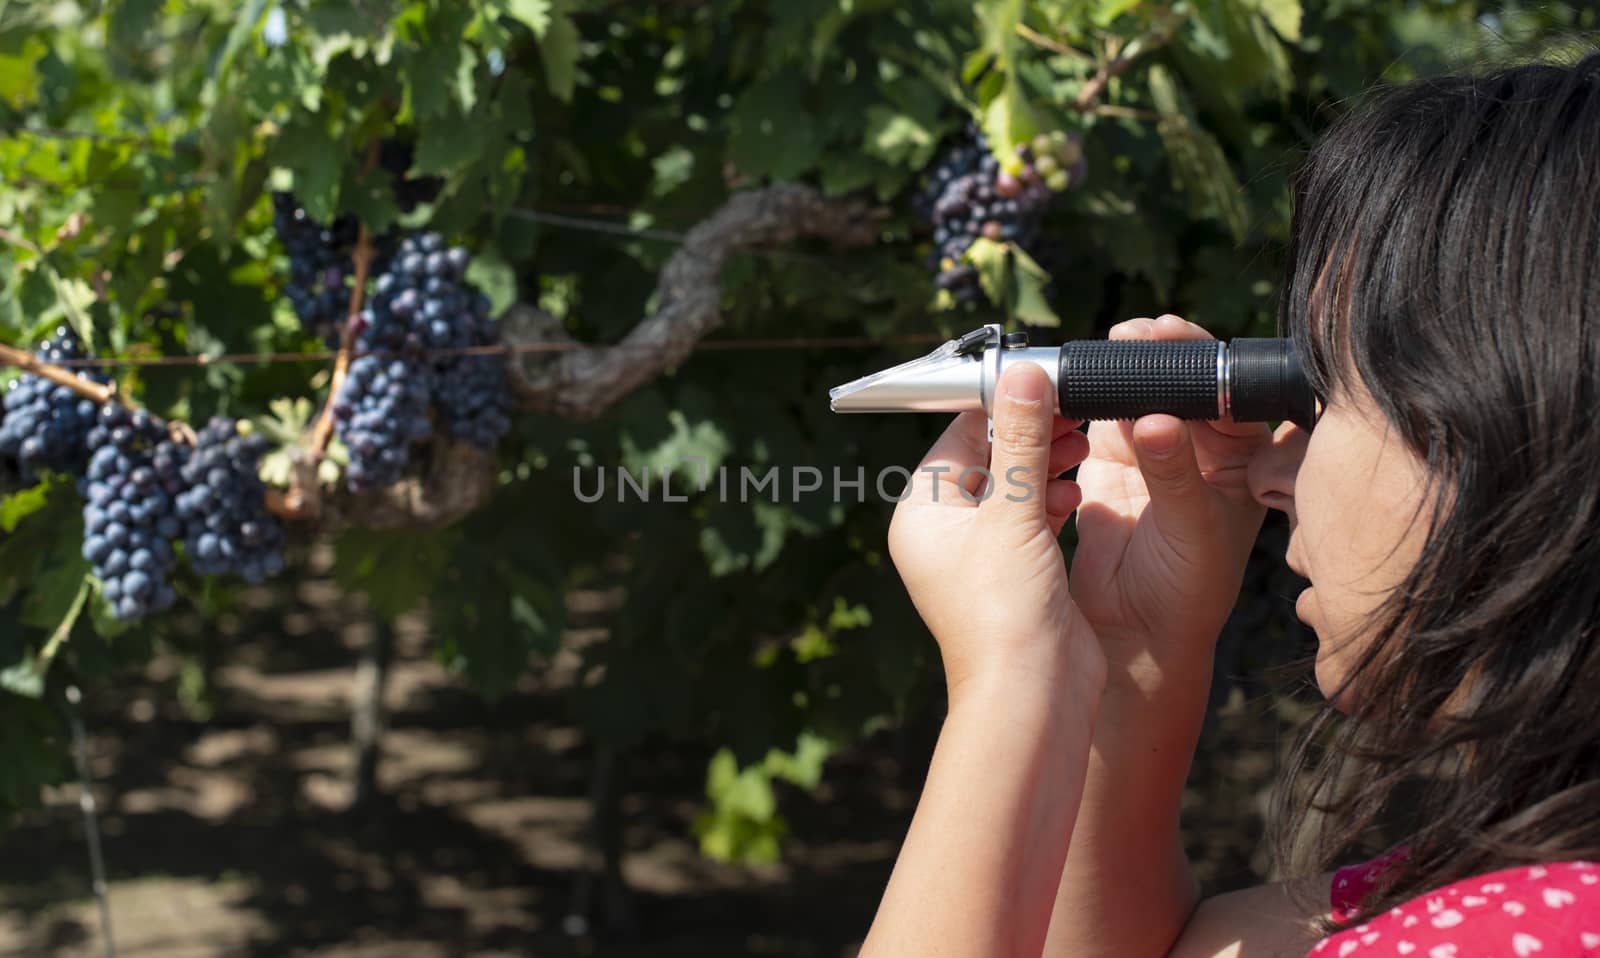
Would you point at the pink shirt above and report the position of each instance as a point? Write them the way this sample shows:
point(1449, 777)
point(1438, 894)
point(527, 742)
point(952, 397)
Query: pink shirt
point(1547, 911)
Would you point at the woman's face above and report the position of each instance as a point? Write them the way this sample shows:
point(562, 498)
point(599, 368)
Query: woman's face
point(1349, 488)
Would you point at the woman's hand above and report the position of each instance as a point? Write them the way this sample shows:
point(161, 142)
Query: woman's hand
point(980, 556)
point(1163, 538)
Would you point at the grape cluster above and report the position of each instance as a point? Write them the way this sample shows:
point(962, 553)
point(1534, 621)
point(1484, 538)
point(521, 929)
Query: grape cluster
point(382, 410)
point(45, 423)
point(227, 528)
point(320, 265)
point(130, 516)
point(421, 303)
point(973, 193)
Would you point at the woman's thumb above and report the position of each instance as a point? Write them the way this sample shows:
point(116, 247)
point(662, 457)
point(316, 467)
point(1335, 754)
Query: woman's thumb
point(1024, 414)
point(1180, 497)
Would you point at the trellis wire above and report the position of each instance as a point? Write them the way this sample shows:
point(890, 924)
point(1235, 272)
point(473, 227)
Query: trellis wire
point(245, 359)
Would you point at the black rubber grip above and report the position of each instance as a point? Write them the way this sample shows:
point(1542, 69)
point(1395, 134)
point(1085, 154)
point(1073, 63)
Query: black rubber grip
point(1126, 379)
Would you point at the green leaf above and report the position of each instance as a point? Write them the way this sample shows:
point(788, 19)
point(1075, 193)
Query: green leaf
point(992, 260)
point(1197, 160)
point(559, 48)
point(997, 27)
point(535, 13)
point(395, 569)
point(1009, 120)
point(24, 679)
point(898, 138)
point(18, 506)
point(56, 591)
point(19, 80)
point(1106, 11)
point(495, 278)
point(448, 143)
point(1028, 302)
point(1284, 15)
point(773, 135)
point(305, 147)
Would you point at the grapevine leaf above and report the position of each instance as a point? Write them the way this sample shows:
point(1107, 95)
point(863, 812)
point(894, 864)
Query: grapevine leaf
point(1197, 160)
point(898, 138)
point(997, 22)
point(448, 143)
point(19, 80)
point(535, 13)
point(1284, 15)
point(394, 569)
point(244, 26)
point(772, 134)
point(32, 753)
point(18, 506)
point(305, 147)
point(24, 679)
point(992, 261)
point(1028, 302)
point(1106, 11)
point(1009, 120)
point(38, 535)
point(848, 172)
point(559, 48)
point(495, 278)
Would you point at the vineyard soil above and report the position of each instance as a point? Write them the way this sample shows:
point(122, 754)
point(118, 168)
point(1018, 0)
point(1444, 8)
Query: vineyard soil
point(230, 837)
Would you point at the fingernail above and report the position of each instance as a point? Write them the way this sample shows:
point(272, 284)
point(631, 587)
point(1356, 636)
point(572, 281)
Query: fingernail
point(1028, 389)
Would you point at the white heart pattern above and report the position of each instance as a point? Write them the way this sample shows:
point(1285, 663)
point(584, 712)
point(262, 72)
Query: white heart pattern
point(1525, 944)
point(1590, 939)
point(1348, 947)
point(1405, 947)
point(1435, 905)
point(1472, 901)
point(1537, 871)
point(1589, 878)
point(1442, 951)
point(1556, 897)
point(1514, 908)
point(1369, 938)
point(1447, 919)
point(1493, 888)
point(1410, 920)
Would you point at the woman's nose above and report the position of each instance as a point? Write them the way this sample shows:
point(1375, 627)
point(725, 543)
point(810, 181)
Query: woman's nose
point(1271, 473)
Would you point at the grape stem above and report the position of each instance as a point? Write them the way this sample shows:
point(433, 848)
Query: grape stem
point(87, 388)
point(1054, 46)
point(323, 432)
point(1123, 57)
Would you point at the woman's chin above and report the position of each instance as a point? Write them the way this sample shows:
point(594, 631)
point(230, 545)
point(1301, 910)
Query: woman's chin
point(1328, 681)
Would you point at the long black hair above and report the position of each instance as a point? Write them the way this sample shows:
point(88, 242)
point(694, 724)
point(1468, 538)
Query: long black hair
point(1445, 249)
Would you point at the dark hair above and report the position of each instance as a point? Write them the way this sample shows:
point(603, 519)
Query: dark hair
point(1445, 249)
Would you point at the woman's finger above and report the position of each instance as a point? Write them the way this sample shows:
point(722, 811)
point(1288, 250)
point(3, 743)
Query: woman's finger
point(1068, 451)
point(1061, 499)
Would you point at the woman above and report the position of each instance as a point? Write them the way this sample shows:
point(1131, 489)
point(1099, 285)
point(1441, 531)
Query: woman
point(1444, 283)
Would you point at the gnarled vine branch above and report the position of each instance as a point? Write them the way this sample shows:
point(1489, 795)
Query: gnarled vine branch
point(583, 383)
